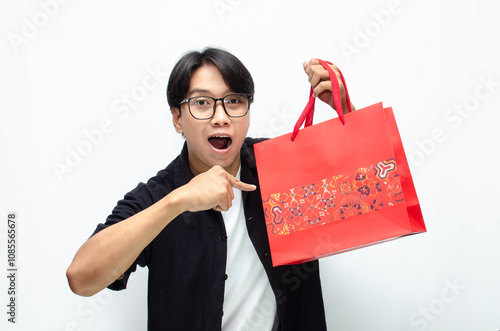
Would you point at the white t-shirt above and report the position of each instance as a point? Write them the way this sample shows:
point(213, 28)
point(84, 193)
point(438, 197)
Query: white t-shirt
point(249, 301)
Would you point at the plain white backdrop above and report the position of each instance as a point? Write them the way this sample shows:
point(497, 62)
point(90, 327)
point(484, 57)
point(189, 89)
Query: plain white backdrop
point(84, 118)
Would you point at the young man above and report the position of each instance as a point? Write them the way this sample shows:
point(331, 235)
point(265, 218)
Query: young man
point(199, 225)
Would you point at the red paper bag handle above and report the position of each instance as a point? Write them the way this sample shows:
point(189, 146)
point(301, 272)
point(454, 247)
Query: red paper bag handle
point(308, 112)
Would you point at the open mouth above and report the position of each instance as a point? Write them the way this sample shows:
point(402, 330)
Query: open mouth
point(220, 142)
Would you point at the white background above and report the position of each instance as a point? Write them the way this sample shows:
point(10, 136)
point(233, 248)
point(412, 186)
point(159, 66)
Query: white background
point(65, 67)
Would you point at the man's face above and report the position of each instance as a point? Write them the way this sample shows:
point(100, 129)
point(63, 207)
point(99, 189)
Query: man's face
point(216, 141)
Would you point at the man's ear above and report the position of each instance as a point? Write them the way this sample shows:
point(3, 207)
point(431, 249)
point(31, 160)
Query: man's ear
point(176, 119)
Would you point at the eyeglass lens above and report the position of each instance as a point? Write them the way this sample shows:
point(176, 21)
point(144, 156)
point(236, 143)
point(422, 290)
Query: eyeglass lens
point(203, 107)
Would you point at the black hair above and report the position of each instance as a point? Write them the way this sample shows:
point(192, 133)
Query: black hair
point(234, 73)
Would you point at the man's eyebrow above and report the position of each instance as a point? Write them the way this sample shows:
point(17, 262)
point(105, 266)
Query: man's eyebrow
point(204, 92)
point(197, 91)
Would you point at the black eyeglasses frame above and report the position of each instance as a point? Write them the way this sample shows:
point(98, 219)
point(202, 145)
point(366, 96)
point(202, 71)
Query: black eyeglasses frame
point(248, 96)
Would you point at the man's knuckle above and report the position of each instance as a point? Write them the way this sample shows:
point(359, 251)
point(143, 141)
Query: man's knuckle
point(326, 85)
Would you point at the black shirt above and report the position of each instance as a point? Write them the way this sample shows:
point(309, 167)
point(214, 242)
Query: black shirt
point(187, 260)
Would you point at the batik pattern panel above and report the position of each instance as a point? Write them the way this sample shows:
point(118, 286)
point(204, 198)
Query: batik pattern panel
point(333, 199)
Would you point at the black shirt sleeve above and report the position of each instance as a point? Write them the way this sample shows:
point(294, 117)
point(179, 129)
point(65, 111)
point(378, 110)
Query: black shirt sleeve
point(132, 203)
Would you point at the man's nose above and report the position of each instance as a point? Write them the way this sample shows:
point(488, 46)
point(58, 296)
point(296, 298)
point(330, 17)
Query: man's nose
point(220, 117)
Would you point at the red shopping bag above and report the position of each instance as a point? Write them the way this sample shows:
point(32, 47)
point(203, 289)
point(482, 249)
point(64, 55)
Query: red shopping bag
point(337, 185)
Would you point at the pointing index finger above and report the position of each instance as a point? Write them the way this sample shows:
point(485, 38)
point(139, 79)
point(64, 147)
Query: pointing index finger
point(240, 185)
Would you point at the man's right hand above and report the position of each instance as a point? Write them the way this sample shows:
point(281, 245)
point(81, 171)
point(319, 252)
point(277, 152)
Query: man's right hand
point(91, 270)
point(212, 189)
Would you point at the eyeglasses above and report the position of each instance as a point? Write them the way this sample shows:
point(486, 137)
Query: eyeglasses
point(203, 107)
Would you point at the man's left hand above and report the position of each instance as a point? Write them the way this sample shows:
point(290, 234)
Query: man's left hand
point(321, 84)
